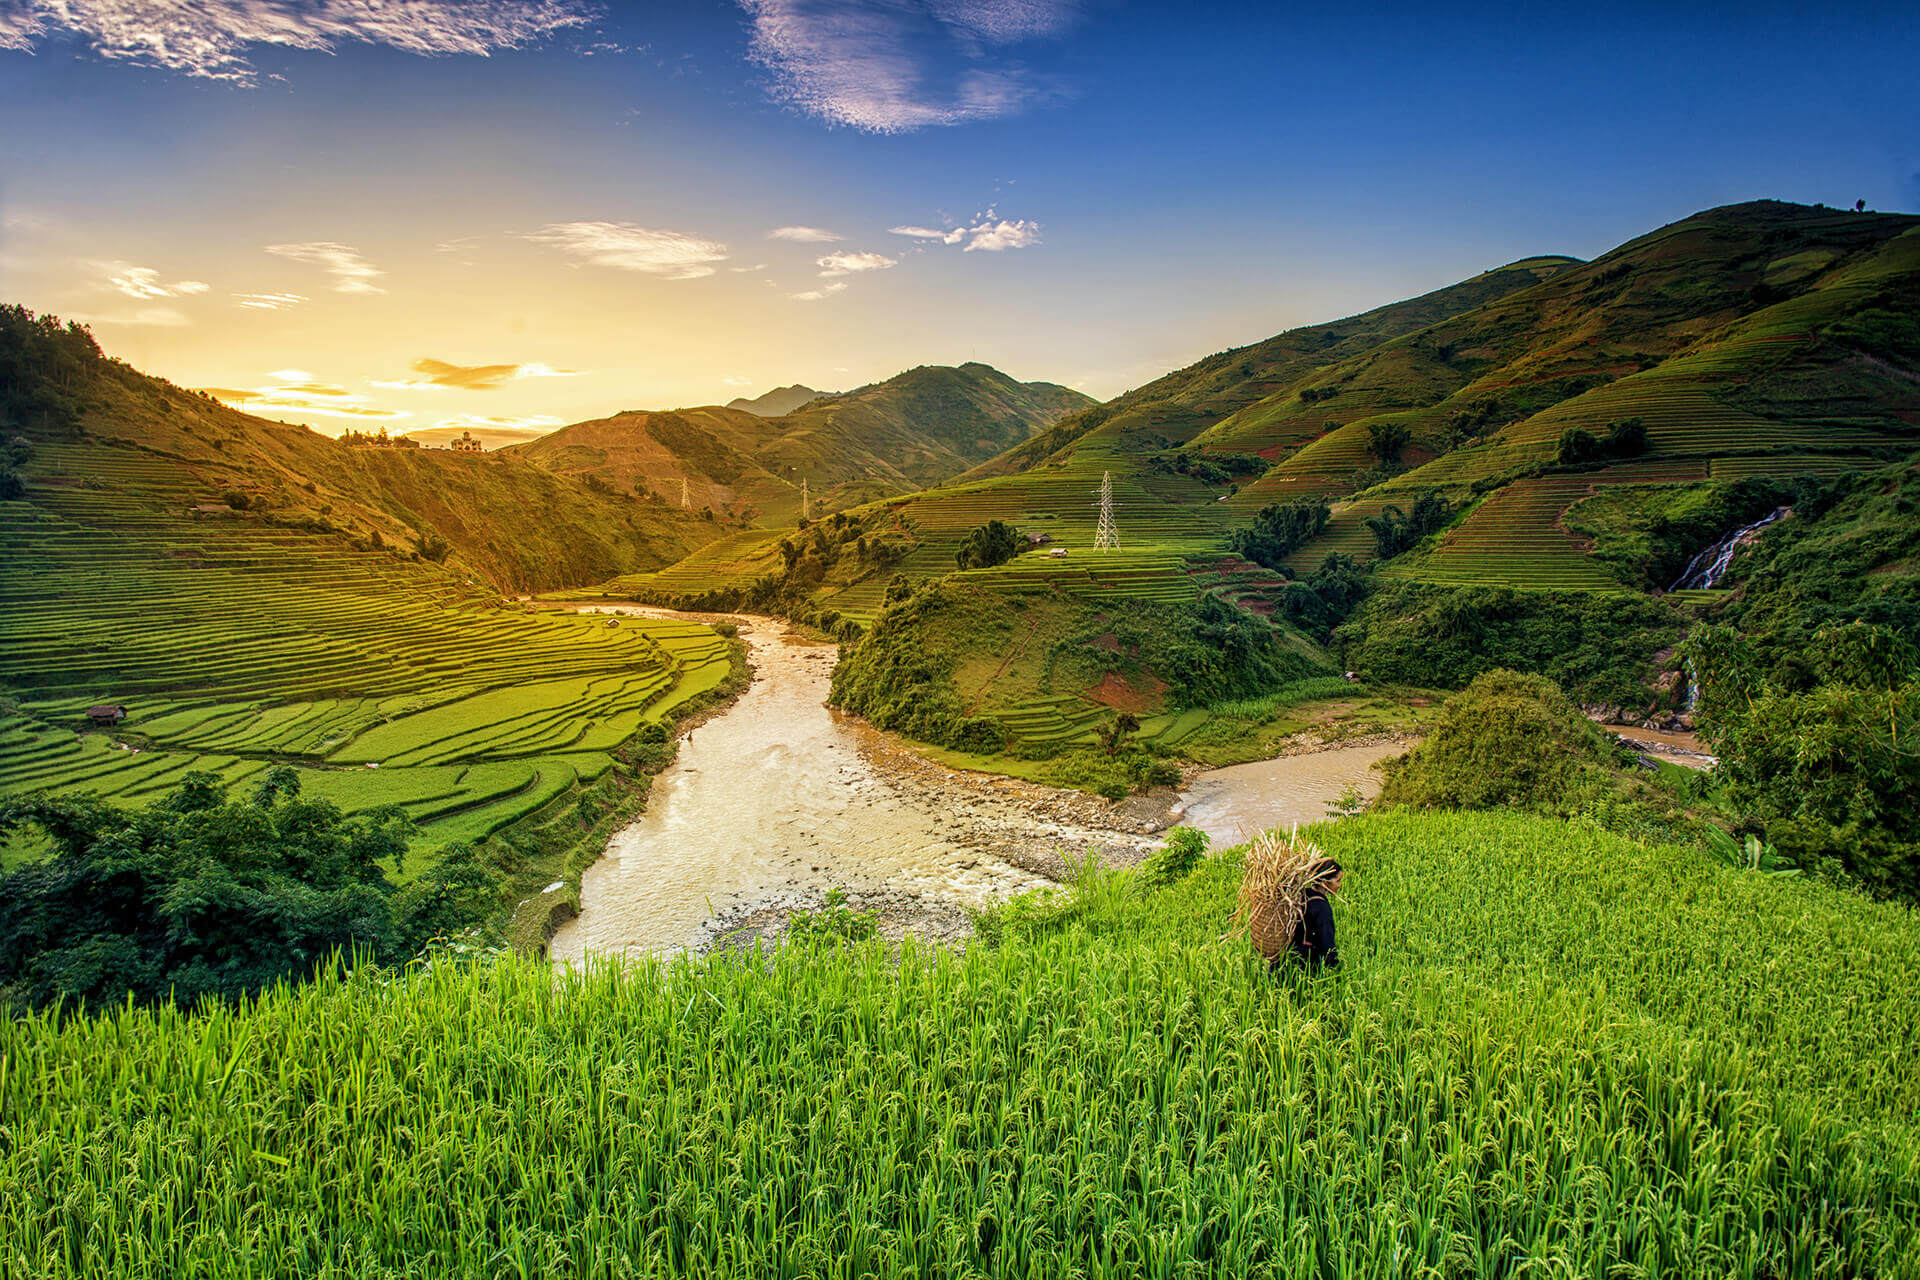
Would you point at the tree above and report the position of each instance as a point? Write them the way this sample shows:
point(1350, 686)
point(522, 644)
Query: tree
point(1114, 734)
point(203, 897)
point(1395, 531)
point(994, 542)
point(1578, 445)
point(1280, 529)
point(14, 456)
point(1385, 440)
point(1627, 438)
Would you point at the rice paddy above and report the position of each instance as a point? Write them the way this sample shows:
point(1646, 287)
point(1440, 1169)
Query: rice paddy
point(1550, 1051)
point(235, 644)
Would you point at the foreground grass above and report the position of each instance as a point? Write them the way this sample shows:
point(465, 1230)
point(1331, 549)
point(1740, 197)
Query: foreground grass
point(1552, 1052)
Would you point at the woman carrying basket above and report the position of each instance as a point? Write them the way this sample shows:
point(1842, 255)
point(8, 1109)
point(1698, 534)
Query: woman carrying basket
point(1313, 945)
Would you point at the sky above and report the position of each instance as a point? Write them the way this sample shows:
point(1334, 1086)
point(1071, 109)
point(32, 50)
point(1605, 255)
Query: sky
point(419, 213)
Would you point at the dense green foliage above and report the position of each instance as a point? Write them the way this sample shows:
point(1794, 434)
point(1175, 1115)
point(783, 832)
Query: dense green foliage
point(993, 543)
point(1174, 860)
point(201, 896)
point(1280, 529)
point(1850, 553)
point(45, 368)
point(1598, 648)
point(1647, 535)
point(1205, 652)
point(893, 677)
point(1507, 740)
point(1819, 752)
point(1550, 1051)
point(1395, 531)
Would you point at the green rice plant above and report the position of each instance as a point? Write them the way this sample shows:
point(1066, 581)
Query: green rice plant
point(1551, 1051)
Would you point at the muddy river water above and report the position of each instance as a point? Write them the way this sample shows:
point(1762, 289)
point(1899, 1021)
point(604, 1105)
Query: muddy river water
point(778, 798)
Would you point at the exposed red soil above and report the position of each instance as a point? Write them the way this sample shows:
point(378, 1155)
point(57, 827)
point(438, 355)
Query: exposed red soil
point(1122, 694)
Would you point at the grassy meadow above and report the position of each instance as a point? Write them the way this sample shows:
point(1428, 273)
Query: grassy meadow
point(1551, 1051)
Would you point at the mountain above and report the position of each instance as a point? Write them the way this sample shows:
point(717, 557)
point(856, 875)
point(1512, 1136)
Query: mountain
point(1569, 434)
point(780, 400)
point(114, 449)
point(898, 436)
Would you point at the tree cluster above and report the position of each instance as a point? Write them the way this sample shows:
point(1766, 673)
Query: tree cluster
point(44, 366)
point(993, 543)
point(1280, 529)
point(1395, 531)
point(204, 897)
point(1626, 438)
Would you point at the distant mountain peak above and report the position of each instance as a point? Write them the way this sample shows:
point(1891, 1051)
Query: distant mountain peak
point(777, 402)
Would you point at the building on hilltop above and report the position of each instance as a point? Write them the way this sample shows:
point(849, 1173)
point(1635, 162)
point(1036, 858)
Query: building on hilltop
point(466, 444)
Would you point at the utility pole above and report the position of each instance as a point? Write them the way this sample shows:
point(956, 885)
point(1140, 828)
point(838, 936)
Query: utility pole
point(1106, 537)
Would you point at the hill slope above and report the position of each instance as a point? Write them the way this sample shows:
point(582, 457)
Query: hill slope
point(912, 430)
point(1550, 1049)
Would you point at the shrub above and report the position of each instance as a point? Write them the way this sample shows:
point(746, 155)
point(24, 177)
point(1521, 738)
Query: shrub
point(1280, 529)
point(1173, 860)
point(1507, 739)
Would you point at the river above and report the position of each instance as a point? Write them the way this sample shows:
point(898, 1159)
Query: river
point(779, 798)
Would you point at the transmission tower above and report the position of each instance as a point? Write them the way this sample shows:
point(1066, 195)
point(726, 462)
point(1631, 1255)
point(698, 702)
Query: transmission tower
point(686, 494)
point(806, 503)
point(1106, 537)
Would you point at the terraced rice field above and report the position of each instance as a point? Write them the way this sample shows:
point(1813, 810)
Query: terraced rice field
point(235, 644)
point(1515, 539)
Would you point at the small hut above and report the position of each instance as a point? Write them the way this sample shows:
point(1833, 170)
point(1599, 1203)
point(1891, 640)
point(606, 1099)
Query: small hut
point(107, 713)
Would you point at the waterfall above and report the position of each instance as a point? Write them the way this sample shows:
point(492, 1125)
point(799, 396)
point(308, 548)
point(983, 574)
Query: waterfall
point(1705, 570)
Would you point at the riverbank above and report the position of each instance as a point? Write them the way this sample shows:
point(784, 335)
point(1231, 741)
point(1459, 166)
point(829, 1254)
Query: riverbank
point(776, 799)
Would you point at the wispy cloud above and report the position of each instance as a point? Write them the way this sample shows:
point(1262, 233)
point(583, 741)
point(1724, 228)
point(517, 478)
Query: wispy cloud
point(296, 391)
point(145, 282)
point(824, 291)
point(672, 254)
point(269, 301)
point(988, 233)
point(892, 66)
point(806, 235)
point(736, 380)
point(142, 317)
point(846, 264)
point(214, 39)
point(439, 375)
point(351, 273)
point(471, 420)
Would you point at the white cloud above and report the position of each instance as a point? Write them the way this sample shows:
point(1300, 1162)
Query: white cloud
point(805, 235)
point(736, 380)
point(145, 317)
point(296, 391)
point(269, 301)
point(470, 420)
point(758, 266)
point(672, 254)
point(846, 264)
point(928, 233)
point(892, 66)
point(214, 39)
point(995, 237)
point(989, 233)
point(351, 273)
point(824, 291)
point(145, 282)
point(439, 375)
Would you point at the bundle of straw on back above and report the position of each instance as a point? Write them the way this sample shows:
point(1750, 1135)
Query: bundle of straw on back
point(1273, 889)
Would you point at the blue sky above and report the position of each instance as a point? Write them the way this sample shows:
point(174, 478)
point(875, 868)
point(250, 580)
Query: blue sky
point(369, 196)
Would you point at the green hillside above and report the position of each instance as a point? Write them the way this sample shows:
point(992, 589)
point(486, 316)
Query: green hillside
point(254, 594)
point(1550, 1050)
point(915, 429)
point(1759, 349)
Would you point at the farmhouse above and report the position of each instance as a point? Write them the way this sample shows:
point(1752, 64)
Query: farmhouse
point(1058, 553)
point(1039, 539)
point(108, 713)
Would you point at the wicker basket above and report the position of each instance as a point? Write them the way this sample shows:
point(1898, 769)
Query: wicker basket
point(1273, 887)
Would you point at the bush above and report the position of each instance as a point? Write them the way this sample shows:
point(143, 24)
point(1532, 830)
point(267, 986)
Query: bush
point(1173, 860)
point(1506, 740)
point(1280, 529)
point(993, 543)
point(834, 922)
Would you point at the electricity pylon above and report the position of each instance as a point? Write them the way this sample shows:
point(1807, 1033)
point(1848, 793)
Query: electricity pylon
point(806, 503)
point(686, 494)
point(1106, 537)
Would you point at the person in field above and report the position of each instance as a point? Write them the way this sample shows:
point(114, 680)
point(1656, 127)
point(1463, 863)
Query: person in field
point(1313, 945)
